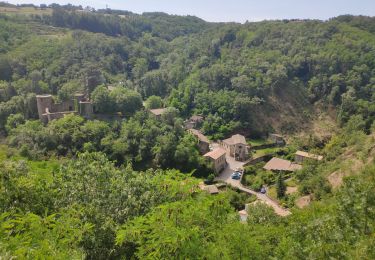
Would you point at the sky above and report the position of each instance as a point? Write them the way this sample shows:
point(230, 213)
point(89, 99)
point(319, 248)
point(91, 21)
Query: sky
point(233, 10)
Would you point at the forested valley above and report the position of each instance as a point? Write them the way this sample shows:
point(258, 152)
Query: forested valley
point(125, 184)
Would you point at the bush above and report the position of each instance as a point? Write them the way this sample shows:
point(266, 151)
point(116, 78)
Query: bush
point(25, 151)
point(88, 147)
point(238, 199)
point(257, 184)
point(251, 169)
point(210, 178)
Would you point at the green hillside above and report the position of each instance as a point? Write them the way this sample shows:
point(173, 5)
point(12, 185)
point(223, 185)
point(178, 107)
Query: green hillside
point(125, 183)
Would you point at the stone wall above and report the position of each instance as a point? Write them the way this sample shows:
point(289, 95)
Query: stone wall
point(48, 110)
point(58, 115)
point(259, 159)
point(63, 106)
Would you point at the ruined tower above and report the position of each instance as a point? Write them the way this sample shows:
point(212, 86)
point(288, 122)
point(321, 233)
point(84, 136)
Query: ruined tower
point(43, 102)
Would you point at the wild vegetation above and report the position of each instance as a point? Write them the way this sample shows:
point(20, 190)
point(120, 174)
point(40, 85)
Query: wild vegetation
point(111, 189)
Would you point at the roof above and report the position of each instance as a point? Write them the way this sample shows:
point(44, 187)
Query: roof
point(309, 155)
point(212, 189)
point(235, 139)
point(215, 154)
point(196, 118)
point(277, 164)
point(157, 111)
point(276, 135)
point(43, 96)
point(111, 88)
point(243, 212)
point(199, 135)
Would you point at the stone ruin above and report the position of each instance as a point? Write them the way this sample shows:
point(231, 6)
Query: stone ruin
point(49, 110)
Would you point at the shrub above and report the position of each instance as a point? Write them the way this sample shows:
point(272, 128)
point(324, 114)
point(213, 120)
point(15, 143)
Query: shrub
point(25, 151)
point(256, 184)
point(211, 178)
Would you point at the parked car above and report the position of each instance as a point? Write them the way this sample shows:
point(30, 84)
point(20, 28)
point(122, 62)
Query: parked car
point(236, 176)
point(239, 169)
point(263, 190)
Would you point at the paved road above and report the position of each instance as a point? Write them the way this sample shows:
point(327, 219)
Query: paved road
point(226, 177)
point(263, 197)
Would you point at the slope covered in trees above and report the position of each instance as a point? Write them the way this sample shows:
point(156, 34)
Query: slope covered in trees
point(236, 75)
point(109, 189)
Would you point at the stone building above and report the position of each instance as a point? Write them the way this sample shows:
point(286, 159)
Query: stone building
point(194, 122)
point(48, 110)
point(277, 139)
point(157, 112)
point(203, 142)
point(217, 158)
point(237, 147)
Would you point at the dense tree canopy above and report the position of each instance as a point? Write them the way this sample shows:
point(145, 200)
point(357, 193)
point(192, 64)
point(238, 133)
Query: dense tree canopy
point(124, 184)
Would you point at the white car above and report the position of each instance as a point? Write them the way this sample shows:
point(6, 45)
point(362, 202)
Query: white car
point(239, 169)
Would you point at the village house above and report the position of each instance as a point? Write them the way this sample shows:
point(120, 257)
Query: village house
point(237, 147)
point(277, 139)
point(217, 158)
point(281, 165)
point(157, 112)
point(194, 122)
point(49, 110)
point(203, 142)
point(300, 156)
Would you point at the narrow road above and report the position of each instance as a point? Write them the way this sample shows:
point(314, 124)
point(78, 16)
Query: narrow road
point(263, 197)
point(225, 176)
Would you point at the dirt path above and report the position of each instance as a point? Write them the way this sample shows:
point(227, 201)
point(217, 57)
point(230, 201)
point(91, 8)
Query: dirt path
point(226, 177)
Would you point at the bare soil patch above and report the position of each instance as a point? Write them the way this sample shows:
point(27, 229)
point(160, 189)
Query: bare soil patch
point(291, 190)
point(303, 201)
point(336, 179)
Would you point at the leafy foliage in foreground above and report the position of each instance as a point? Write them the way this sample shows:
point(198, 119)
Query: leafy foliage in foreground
point(208, 228)
point(85, 200)
point(115, 212)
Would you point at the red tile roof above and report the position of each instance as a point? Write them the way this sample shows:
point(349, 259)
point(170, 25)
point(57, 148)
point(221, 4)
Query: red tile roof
point(196, 118)
point(199, 135)
point(277, 164)
point(235, 139)
point(157, 111)
point(215, 154)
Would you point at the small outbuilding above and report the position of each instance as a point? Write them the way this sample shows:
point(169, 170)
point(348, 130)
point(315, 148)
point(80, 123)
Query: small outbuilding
point(300, 156)
point(203, 141)
point(157, 112)
point(277, 164)
point(277, 139)
point(211, 189)
point(194, 121)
